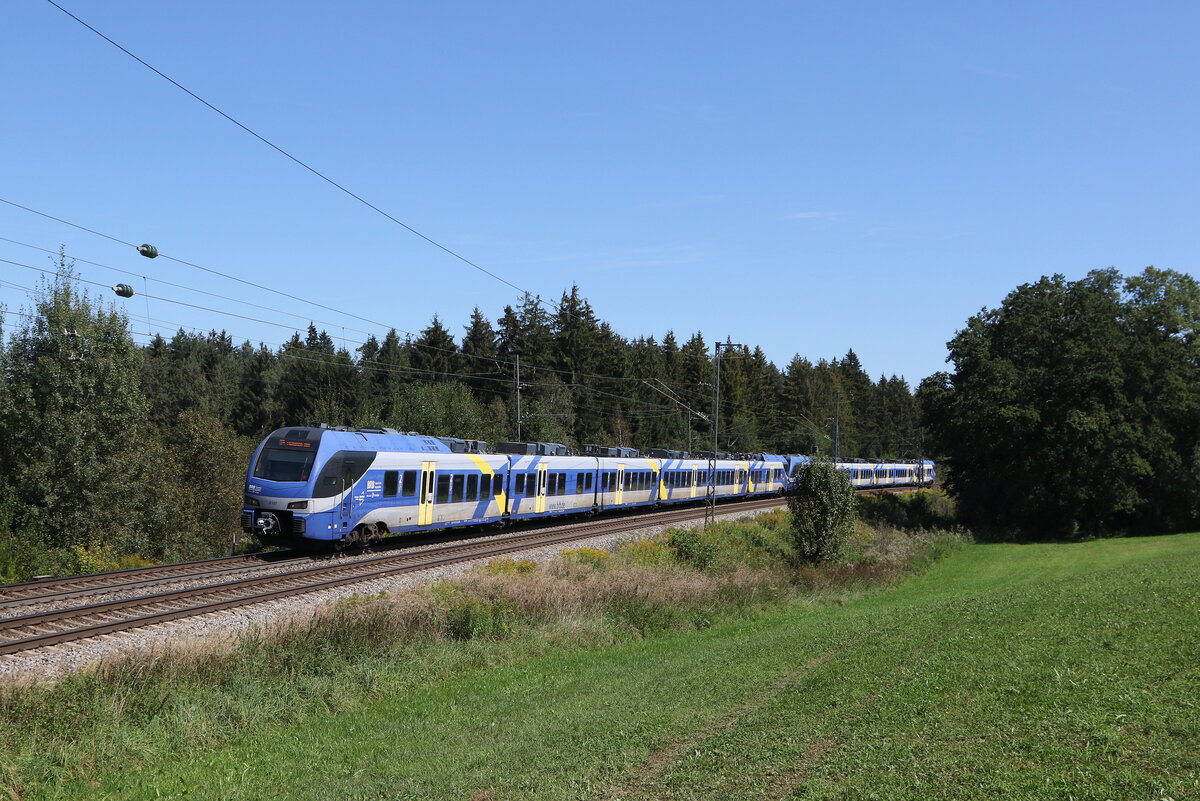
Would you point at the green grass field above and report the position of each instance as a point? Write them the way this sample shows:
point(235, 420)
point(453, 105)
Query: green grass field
point(1014, 672)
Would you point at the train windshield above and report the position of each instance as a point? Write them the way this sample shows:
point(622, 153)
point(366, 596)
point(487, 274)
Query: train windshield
point(284, 464)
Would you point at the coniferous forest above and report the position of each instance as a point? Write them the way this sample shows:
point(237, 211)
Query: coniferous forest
point(114, 451)
point(1072, 410)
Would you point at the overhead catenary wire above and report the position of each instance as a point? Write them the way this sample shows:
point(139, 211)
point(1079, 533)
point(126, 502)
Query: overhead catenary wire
point(210, 270)
point(288, 155)
point(185, 287)
point(496, 360)
point(285, 352)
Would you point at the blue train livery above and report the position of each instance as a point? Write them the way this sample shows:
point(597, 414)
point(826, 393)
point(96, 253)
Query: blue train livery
point(341, 486)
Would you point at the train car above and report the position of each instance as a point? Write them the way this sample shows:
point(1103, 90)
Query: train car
point(339, 486)
point(767, 474)
point(681, 480)
point(540, 486)
point(861, 475)
point(626, 482)
point(792, 465)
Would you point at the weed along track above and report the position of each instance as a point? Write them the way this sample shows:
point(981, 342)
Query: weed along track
point(46, 628)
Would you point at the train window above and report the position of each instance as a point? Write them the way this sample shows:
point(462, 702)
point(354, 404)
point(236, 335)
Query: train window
point(472, 487)
point(562, 483)
point(391, 483)
point(498, 486)
point(519, 489)
point(443, 489)
point(587, 482)
point(485, 488)
point(410, 483)
point(579, 484)
point(281, 464)
point(456, 490)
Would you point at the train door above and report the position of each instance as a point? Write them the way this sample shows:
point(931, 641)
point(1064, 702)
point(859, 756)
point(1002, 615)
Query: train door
point(620, 484)
point(425, 500)
point(347, 491)
point(695, 470)
point(541, 488)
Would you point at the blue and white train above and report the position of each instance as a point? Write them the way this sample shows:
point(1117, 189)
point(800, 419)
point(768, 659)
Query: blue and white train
point(340, 486)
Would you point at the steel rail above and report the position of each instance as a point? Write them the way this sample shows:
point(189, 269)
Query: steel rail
point(96, 620)
point(87, 583)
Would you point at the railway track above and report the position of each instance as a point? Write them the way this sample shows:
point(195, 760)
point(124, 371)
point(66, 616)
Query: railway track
point(26, 632)
point(50, 590)
point(19, 633)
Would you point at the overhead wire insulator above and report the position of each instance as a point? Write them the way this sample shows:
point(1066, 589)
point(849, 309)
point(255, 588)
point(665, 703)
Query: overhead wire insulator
point(124, 290)
point(149, 251)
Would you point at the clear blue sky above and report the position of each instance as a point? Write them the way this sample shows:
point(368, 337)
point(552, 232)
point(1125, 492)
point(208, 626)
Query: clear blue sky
point(810, 177)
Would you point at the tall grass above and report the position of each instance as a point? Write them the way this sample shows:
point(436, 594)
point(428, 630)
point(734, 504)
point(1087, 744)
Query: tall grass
point(185, 698)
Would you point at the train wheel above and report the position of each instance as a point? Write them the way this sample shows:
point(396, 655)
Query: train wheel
point(360, 537)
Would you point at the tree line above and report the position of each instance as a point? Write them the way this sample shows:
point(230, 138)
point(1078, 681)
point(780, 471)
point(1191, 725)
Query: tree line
point(110, 448)
point(1073, 409)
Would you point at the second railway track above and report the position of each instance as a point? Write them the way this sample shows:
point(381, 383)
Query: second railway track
point(27, 632)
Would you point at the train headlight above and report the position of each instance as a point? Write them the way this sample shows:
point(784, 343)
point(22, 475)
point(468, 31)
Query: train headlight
point(298, 505)
point(251, 501)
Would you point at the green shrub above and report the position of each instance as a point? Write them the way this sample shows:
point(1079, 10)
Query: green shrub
point(919, 510)
point(593, 557)
point(653, 552)
point(822, 508)
point(691, 547)
point(507, 566)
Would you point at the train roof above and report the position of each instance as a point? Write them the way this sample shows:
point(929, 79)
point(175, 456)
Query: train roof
point(344, 438)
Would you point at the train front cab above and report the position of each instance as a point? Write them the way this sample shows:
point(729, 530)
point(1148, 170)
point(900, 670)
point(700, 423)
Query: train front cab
point(281, 506)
